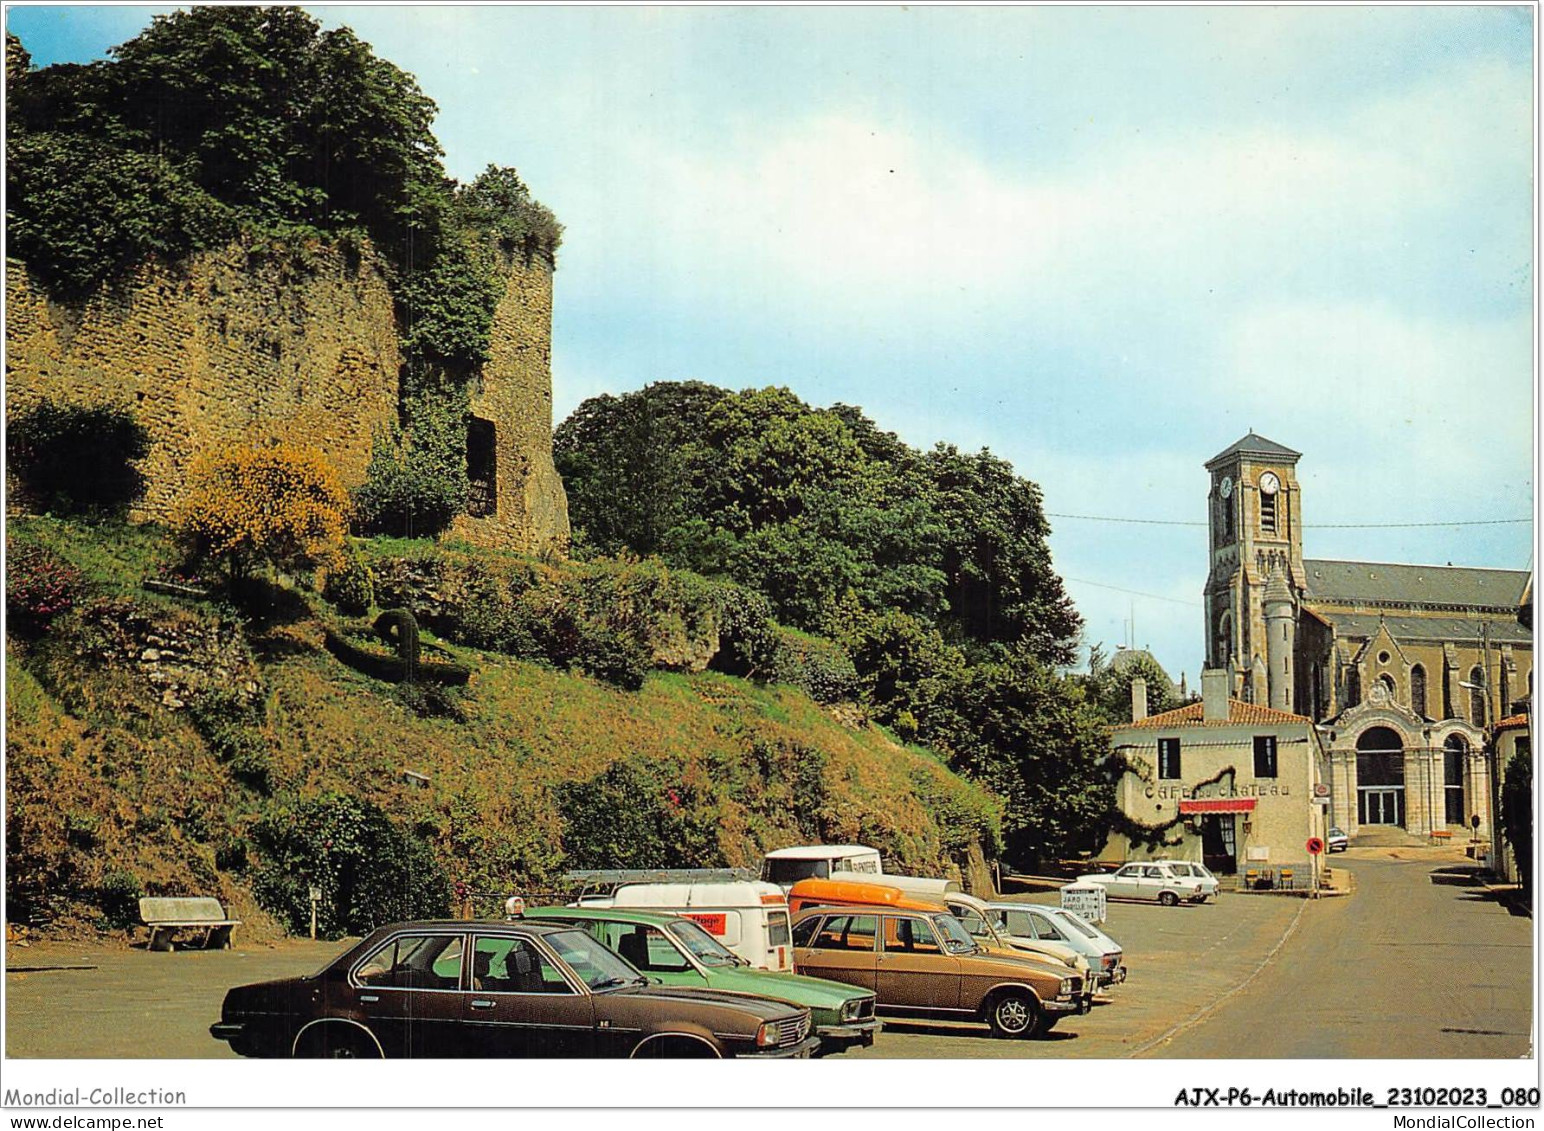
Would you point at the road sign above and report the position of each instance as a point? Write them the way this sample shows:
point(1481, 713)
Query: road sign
point(1321, 789)
point(1085, 900)
point(1315, 846)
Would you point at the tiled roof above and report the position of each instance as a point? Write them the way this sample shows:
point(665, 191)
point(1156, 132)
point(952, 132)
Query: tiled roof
point(1512, 721)
point(1413, 584)
point(1255, 446)
point(1239, 713)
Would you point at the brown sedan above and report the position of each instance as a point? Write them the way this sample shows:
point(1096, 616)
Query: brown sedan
point(456, 988)
point(925, 963)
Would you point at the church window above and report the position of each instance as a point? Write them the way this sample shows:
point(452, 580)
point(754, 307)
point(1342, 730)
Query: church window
point(1418, 690)
point(1227, 519)
point(1387, 682)
point(1353, 687)
point(1504, 703)
point(1168, 757)
point(1383, 657)
point(1268, 514)
point(1454, 753)
point(1265, 756)
point(1476, 691)
point(481, 467)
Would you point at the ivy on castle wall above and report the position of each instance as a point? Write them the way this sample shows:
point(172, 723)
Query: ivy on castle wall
point(218, 123)
point(1155, 835)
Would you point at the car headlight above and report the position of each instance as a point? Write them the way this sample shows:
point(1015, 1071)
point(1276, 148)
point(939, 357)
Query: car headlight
point(1067, 987)
point(766, 1036)
point(851, 1009)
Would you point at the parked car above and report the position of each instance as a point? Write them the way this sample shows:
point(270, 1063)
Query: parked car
point(748, 917)
point(678, 952)
point(513, 989)
point(1147, 881)
point(1210, 884)
point(1336, 840)
point(924, 963)
point(1047, 923)
point(976, 915)
point(787, 866)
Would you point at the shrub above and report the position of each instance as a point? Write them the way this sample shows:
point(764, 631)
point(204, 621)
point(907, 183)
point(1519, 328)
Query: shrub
point(370, 870)
point(118, 895)
point(350, 586)
point(228, 722)
point(39, 585)
point(818, 667)
point(417, 479)
point(73, 458)
point(626, 817)
point(1517, 814)
point(277, 503)
point(747, 635)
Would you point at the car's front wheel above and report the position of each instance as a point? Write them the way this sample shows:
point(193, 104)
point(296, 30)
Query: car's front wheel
point(1168, 898)
point(1015, 1014)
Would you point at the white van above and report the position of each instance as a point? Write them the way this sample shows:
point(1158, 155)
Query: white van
point(787, 866)
point(748, 917)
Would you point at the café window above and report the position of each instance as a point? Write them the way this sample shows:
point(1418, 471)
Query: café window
point(1168, 757)
point(1265, 756)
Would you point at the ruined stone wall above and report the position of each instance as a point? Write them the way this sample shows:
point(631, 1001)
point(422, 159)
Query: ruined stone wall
point(514, 394)
point(248, 342)
point(230, 346)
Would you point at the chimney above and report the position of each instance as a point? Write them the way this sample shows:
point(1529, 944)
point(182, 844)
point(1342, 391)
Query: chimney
point(1214, 694)
point(1138, 700)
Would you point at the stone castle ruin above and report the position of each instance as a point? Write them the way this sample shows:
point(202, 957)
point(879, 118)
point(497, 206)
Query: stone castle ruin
point(254, 341)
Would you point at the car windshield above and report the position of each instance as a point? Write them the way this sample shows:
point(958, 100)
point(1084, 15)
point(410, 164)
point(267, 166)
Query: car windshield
point(599, 968)
point(1076, 923)
point(792, 871)
point(956, 938)
point(704, 947)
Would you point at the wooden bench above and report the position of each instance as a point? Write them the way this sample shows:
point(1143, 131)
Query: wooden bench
point(166, 916)
point(1441, 836)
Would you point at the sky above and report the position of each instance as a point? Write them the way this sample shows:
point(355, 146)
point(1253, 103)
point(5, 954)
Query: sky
point(1104, 243)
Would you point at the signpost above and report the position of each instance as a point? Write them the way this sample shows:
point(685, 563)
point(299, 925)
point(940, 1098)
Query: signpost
point(1085, 900)
point(1314, 846)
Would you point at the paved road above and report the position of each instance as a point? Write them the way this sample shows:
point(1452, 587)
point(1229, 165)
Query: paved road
point(1420, 962)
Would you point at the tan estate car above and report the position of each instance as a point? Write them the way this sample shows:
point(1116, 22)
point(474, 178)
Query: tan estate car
point(925, 963)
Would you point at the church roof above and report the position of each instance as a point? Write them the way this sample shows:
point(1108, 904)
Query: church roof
point(1193, 715)
point(1359, 582)
point(1455, 630)
point(1254, 445)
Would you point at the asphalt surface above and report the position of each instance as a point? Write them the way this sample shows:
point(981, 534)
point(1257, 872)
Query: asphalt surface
point(1419, 962)
point(1422, 961)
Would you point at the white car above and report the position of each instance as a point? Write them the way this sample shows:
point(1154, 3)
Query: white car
point(1147, 881)
point(1210, 884)
point(984, 927)
point(1057, 924)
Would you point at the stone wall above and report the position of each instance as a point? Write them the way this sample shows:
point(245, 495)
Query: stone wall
point(514, 394)
point(227, 347)
point(247, 342)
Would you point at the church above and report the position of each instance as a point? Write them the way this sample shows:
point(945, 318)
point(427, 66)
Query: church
point(1405, 669)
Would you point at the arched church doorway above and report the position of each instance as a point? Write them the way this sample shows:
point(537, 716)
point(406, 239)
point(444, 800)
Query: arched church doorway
point(1380, 778)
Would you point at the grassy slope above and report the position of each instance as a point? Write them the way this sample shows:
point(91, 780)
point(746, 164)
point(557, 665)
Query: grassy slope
point(102, 779)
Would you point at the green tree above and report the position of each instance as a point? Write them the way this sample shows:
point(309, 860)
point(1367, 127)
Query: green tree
point(1109, 685)
point(1028, 735)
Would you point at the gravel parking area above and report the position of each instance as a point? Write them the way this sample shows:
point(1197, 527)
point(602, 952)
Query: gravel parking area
point(87, 1000)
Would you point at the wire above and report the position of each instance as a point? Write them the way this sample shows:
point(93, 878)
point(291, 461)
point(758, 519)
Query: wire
point(1306, 525)
point(1135, 592)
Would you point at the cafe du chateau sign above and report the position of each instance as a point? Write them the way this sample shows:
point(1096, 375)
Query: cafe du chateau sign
point(1216, 790)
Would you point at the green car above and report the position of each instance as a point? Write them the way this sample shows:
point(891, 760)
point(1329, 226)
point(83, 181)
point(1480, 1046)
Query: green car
point(678, 952)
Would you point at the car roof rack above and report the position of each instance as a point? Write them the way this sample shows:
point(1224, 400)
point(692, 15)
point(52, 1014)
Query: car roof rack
point(604, 881)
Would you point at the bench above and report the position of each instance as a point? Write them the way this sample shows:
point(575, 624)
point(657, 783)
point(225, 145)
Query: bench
point(1441, 836)
point(166, 916)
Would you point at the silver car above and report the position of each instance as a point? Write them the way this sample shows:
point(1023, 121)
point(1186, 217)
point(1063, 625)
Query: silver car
point(1210, 884)
point(1057, 924)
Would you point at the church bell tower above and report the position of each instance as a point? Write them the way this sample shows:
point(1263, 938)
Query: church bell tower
point(1256, 577)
